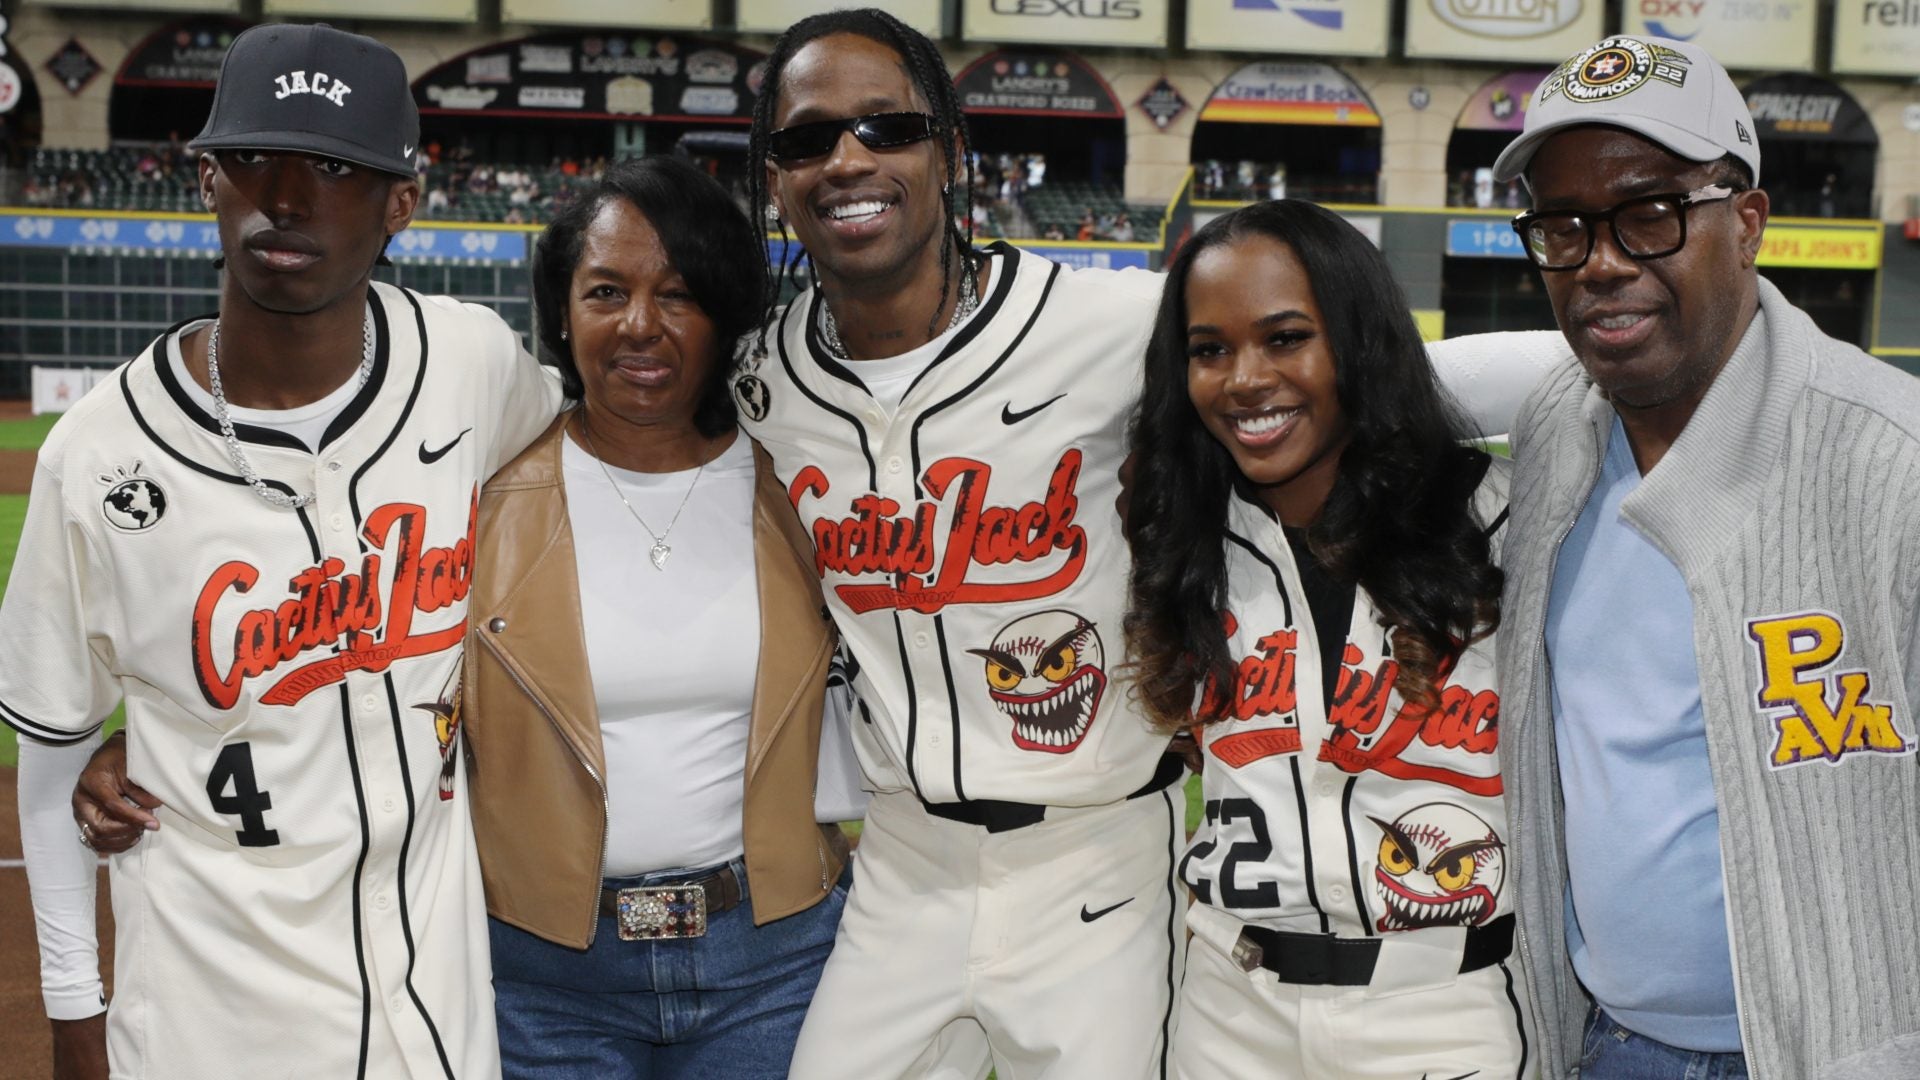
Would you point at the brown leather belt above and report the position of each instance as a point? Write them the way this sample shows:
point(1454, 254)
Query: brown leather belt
point(672, 910)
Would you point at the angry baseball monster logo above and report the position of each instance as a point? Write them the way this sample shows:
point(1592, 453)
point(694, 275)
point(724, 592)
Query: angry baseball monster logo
point(1046, 673)
point(1440, 865)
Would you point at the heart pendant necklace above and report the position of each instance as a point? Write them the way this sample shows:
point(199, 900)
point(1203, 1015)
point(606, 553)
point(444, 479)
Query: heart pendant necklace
point(660, 551)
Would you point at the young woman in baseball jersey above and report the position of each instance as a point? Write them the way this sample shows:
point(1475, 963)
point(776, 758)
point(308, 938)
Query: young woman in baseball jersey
point(1314, 593)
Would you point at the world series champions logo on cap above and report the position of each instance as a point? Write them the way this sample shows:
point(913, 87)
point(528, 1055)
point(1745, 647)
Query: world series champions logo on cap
point(1614, 67)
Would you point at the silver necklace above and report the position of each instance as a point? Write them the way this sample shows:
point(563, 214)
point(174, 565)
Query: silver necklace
point(659, 551)
point(830, 329)
point(221, 413)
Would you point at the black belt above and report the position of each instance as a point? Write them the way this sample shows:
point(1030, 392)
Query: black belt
point(721, 887)
point(996, 815)
point(1325, 960)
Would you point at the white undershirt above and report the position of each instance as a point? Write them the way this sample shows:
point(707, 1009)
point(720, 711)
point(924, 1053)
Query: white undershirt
point(888, 378)
point(673, 653)
point(307, 423)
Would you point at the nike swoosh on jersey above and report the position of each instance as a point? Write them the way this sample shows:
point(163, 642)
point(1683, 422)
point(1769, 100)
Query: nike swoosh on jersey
point(1009, 417)
point(1089, 916)
point(428, 457)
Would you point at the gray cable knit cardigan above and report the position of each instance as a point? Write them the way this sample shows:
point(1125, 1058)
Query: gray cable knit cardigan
point(1791, 505)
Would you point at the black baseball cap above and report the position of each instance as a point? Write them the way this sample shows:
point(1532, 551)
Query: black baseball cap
point(315, 90)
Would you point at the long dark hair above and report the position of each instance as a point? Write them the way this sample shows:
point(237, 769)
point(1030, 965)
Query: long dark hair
point(1398, 521)
point(707, 239)
point(935, 85)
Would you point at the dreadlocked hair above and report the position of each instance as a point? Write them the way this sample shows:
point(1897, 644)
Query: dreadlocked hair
point(932, 80)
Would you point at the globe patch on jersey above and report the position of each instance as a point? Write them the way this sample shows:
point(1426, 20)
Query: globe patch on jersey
point(1046, 672)
point(1614, 67)
point(133, 503)
point(1819, 713)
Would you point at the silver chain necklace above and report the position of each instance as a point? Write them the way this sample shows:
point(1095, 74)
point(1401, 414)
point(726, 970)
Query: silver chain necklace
point(659, 551)
point(830, 329)
point(221, 413)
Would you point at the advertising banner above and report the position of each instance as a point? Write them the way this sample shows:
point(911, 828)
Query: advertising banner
point(602, 76)
point(142, 5)
point(1543, 31)
point(1035, 82)
point(1311, 27)
point(1845, 247)
point(422, 10)
point(774, 16)
point(200, 235)
point(55, 389)
point(185, 54)
point(1066, 22)
point(1741, 34)
point(1806, 108)
point(1501, 102)
point(1876, 37)
point(1276, 92)
point(635, 14)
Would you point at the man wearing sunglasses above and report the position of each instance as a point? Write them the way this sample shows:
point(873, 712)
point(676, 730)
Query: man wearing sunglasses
point(949, 423)
point(1709, 635)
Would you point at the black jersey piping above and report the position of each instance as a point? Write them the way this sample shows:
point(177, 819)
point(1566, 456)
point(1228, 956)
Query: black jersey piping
point(126, 391)
point(406, 843)
point(1306, 844)
point(413, 395)
point(1279, 582)
point(832, 365)
point(1039, 305)
point(1353, 858)
point(261, 436)
point(1498, 522)
point(359, 871)
point(1174, 909)
point(913, 706)
point(859, 429)
point(1519, 1021)
point(953, 703)
point(38, 732)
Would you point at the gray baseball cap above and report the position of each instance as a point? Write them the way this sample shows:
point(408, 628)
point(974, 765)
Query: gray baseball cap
point(315, 90)
point(1668, 91)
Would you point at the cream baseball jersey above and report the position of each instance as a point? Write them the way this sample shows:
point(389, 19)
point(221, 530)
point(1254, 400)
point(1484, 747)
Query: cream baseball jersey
point(1360, 816)
point(312, 905)
point(968, 543)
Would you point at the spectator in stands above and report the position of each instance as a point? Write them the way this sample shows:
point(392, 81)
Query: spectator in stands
point(1054, 232)
point(1122, 231)
point(437, 202)
point(1277, 182)
point(1089, 230)
point(1036, 170)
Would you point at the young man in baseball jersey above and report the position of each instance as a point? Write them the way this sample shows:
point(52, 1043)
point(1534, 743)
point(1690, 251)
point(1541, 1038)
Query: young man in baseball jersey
point(950, 423)
point(258, 534)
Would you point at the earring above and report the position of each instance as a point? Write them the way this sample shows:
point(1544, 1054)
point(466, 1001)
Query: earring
point(563, 335)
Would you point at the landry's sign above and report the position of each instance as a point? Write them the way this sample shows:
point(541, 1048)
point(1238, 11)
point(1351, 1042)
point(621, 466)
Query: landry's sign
point(617, 76)
point(186, 53)
point(1035, 82)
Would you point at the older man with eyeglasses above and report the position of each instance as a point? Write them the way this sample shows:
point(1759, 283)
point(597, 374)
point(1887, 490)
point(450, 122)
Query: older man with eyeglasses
point(1709, 637)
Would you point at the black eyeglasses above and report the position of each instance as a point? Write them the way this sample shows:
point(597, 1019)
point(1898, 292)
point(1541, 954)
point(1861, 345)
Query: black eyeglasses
point(1648, 227)
point(879, 131)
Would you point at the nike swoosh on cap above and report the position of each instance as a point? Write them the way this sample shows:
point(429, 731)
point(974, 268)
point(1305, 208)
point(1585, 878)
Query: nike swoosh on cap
point(428, 457)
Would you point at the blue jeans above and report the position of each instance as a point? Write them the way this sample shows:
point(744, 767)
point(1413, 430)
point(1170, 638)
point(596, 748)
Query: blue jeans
point(728, 1004)
point(1611, 1052)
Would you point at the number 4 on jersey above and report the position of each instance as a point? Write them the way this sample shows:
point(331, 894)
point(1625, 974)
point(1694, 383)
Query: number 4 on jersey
point(234, 767)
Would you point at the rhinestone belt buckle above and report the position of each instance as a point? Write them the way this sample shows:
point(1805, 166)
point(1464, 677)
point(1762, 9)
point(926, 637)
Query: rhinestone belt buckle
point(661, 912)
point(1247, 955)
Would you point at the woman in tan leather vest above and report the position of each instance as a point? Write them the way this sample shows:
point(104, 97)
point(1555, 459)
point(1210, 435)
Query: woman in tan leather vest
point(645, 671)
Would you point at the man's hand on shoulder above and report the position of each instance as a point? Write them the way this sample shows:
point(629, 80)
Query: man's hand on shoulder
point(80, 1048)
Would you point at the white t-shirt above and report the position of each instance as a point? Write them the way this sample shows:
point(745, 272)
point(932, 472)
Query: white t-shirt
point(307, 423)
point(673, 653)
point(889, 378)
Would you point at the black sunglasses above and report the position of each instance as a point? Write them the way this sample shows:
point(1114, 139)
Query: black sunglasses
point(880, 131)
